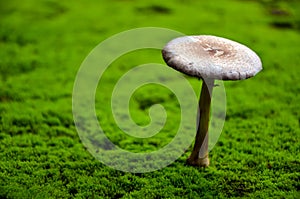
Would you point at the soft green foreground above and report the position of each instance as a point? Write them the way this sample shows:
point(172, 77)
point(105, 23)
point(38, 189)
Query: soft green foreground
point(42, 44)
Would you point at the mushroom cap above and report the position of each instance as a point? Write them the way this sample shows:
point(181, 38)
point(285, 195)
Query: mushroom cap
point(207, 56)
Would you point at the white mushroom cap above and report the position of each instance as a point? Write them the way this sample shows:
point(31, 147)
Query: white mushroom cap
point(212, 57)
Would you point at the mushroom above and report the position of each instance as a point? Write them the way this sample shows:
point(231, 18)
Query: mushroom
point(209, 58)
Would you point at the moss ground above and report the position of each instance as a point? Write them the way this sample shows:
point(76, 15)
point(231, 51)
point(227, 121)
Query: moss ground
point(42, 44)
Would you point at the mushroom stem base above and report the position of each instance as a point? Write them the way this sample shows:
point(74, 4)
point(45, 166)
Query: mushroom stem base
point(200, 162)
point(199, 156)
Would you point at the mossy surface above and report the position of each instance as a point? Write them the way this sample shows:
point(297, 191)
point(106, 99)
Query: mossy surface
point(42, 45)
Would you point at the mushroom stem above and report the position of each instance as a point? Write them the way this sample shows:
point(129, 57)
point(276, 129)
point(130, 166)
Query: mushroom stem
point(199, 156)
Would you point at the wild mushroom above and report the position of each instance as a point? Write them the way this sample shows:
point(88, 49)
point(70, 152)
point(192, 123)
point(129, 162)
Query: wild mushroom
point(209, 58)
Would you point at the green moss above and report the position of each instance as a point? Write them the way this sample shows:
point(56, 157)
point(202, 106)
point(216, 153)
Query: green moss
point(42, 44)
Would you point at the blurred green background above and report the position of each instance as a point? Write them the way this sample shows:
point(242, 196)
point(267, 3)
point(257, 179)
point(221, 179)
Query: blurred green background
point(42, 44)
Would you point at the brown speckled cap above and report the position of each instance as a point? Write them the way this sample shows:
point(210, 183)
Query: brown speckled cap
point(212, 57)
